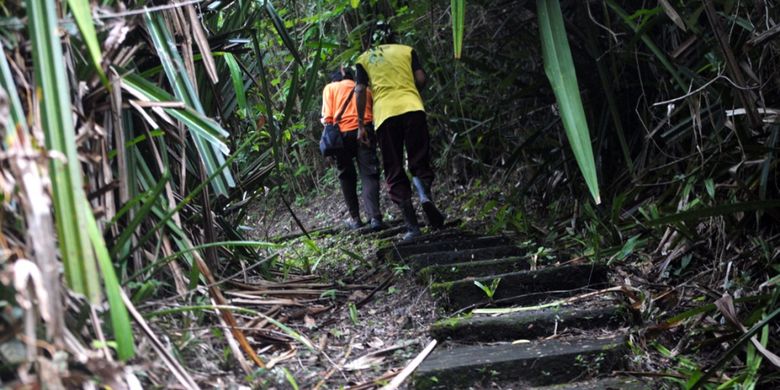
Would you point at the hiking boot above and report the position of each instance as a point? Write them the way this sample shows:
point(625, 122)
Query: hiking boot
point(433, 216)
point(354, 224)
point(376, 224)
point(410, 219)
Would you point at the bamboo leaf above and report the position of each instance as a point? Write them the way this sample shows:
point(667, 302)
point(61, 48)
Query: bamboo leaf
point(354, 3)
point(458, 10)
point(559, 67)
point(82, 13)
point(57, 124)
point(120, 320)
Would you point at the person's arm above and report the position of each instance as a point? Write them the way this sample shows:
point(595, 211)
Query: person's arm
point(419, 73)
point(361, 81)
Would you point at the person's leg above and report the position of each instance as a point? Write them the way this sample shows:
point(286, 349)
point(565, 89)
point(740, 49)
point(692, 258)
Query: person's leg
point(418, 151)
point(368, 166)
point(391, 140)
point(418, 147)
point(347, 175)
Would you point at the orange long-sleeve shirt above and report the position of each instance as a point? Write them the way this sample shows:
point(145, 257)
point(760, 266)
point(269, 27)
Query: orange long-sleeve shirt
point(333, 97)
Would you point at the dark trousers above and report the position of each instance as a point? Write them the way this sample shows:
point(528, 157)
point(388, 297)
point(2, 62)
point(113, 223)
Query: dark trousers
point(408, 130)
point(368, 165)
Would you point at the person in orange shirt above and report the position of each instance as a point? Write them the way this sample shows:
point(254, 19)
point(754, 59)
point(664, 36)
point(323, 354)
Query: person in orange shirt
point(334, 97)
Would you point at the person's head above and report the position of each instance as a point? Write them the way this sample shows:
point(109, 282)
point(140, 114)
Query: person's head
point(383, 33)
point(341, 73)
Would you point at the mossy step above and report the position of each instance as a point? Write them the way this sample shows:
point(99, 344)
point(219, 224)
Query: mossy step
point(615, 383)
point(536, 363)
point(526, 287)
point(450, 244)
point(400, 228)
point(423, 260)
point(430, 237)
point(529, 324)
point(457, 271)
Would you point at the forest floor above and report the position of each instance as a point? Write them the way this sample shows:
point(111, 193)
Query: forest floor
point(372, 321)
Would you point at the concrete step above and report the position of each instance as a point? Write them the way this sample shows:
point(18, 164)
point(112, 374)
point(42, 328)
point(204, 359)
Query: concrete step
point(457, 271)
point(526, 287)
point(536, 363)
point(531, 324)
point(456, 243)
point(614, 383)
point(423, 260)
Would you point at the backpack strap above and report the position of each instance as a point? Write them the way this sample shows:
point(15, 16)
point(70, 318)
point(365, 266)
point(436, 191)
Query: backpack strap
point(344, 107)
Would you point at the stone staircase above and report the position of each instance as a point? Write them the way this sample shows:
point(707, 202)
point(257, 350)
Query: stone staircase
point(566, 344)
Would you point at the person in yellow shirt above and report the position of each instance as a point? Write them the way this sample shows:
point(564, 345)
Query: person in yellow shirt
point(335, 94)
point(395, 76)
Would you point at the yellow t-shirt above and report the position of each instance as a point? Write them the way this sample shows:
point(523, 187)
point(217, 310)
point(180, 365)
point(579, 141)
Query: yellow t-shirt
point(389, 69)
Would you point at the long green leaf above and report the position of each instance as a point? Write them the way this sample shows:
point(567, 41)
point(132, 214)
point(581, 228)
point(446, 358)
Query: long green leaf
point(725, 209)
point(282, 31)
point(82, 13)
point(559, 67)
point(120, 321)
point(458, 10)
point(165, 260)
point(697, 382)
point(650, 44)
point(142, 213)
point(18, 119)
point(165, 217)
point(56, 122)
point(237, 80)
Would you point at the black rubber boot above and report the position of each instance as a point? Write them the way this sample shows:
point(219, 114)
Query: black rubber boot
point(433, 216)
point(410, 219)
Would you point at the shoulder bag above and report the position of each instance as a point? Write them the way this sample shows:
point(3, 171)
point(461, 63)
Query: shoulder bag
point(331, 142)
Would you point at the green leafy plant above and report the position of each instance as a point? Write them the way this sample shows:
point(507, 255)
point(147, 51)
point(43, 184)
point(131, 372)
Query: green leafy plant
point(353, 313)
point(488, 290)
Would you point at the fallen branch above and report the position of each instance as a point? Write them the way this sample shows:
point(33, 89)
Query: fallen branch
point(409, 369)
point(559, 302)
point(176, 368)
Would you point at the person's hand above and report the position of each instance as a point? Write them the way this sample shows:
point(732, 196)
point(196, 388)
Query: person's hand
point(362, 135)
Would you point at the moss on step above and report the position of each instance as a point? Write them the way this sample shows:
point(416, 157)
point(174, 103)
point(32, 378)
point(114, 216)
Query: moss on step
point(449, 272)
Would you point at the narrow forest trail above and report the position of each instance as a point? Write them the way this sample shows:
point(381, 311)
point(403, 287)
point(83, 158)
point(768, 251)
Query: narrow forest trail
point(504, 322)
